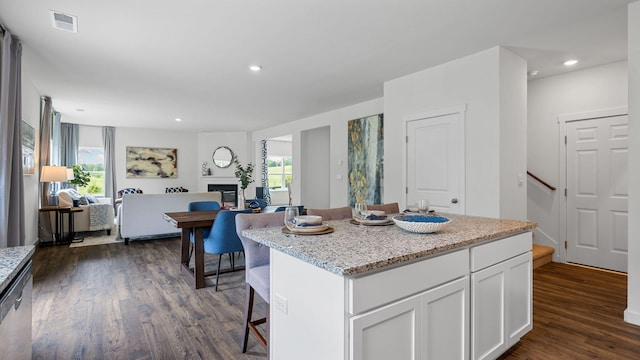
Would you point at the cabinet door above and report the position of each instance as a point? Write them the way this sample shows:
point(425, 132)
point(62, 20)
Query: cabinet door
point(519, 295)
point(391, 332)
point(445, 321)
point(488, 338)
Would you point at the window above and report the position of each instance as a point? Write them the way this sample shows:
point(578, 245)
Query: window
point(92, 160)
point(280, 171)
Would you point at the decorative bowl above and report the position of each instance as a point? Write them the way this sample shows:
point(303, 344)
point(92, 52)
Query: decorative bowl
point(423, 224)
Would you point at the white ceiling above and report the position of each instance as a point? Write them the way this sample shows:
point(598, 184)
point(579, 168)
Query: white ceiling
point(142, 63)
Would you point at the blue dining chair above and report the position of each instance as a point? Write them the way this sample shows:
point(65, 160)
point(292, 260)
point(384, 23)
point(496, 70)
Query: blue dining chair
point(202, 206)
point(223, 238)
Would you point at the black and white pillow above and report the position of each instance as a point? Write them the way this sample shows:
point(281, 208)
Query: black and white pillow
point(170, 190)
point(130, 191)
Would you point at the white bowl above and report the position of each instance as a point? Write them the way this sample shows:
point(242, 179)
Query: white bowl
point(423, 224)
point(308, 220)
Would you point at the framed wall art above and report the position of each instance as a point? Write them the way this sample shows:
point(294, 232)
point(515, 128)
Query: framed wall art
point(366, 153)
point(152, 163)
point(28, 137)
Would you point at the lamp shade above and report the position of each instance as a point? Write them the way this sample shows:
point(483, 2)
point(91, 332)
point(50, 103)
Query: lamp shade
point(70, 175)
point(53, 174)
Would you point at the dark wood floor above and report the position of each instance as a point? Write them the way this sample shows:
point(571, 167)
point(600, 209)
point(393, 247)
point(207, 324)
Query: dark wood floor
point(578, 314)
point(131, 302)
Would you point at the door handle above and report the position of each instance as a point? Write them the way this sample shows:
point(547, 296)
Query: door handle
point(454, 200)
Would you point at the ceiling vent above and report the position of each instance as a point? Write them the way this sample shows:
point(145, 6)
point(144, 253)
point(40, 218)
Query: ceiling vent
point(65, 22)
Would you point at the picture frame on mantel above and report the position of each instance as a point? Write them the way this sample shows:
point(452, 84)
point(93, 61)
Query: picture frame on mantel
point(151, 162)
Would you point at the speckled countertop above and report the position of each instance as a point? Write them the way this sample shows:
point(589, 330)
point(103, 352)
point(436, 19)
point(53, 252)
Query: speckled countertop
point(12, 259)
point(353, 249)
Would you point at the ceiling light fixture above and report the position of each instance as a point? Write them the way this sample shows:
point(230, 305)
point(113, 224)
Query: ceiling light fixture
point(570, 62)
point(178, 119)
point(255, 67)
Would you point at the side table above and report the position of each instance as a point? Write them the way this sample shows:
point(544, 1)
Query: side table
point(58, 236)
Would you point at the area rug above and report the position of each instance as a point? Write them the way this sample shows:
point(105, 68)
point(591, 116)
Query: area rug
point(97, 238)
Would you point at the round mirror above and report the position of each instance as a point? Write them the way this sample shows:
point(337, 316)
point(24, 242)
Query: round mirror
point(223, 157)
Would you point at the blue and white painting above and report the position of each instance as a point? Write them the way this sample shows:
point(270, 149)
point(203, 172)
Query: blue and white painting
point(152, 163)
point(366, 153)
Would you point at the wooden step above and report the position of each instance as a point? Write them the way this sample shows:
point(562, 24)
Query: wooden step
point(541, 255)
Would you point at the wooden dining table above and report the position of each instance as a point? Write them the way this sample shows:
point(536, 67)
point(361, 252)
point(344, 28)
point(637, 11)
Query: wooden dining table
point(192, 221)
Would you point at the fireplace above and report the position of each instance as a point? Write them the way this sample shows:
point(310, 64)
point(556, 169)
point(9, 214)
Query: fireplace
point(229, 193)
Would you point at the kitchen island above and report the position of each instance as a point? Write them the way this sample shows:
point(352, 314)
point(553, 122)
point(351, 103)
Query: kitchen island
point(15, 302)
point(379, 292)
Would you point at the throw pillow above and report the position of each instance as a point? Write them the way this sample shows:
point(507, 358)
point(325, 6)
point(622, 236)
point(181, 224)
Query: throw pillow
point(91, 199)
point(130, 191)
point(83, 200)
point(171, 190)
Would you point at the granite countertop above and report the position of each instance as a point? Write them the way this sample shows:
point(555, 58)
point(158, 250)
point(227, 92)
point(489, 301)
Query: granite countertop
point(12, 259)
point(353, 249)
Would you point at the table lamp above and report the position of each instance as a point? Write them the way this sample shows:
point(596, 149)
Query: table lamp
point(53, 174)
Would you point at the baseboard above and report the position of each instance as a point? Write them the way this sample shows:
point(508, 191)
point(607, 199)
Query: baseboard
point(632, 317)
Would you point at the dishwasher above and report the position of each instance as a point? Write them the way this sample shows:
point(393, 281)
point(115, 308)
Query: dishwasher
point(15, 317)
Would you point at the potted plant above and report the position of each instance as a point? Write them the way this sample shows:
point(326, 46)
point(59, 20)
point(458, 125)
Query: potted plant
point(245, 176)
point(81, 177)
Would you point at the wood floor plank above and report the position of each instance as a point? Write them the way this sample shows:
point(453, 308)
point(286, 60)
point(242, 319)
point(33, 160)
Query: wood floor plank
point(132, 302)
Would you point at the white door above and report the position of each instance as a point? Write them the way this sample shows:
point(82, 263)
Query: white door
point(435, 162)
point(597, 153)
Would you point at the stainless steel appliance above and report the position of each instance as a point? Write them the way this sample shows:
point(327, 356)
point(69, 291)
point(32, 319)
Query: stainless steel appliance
point(15, 316)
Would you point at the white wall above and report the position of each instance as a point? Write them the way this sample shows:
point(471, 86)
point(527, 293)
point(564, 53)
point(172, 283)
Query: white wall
point(597, 88)
point(313, 167)
point(632, 314)
point(474, 81)
point(188, 169)
point(337, 122)
point(31, 115)
point(513, 136)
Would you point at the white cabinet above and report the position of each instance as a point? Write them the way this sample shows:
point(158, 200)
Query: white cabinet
point(501, 297)
point(430, 325)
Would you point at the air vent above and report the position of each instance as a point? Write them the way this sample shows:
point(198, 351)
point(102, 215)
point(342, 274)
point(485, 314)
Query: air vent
point(65, 22)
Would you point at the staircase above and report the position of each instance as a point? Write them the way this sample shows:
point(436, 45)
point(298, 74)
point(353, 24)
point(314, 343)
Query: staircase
point(541, 255)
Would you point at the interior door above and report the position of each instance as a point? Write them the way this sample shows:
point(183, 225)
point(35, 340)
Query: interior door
point(597, 182)
point(435, 162)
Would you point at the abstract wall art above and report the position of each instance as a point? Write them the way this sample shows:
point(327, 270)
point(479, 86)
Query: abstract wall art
point(152, 163)
point(366, 153)
point(28, 148)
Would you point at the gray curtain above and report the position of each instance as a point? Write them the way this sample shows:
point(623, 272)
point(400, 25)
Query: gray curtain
point(109, 139)
point(46, 117)
point(11, 184)
point(69, 138)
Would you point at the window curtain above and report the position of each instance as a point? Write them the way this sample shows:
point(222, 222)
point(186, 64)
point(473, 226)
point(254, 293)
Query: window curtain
point(11, 183)
point(69, 139)
point(46, 120)
point(109, 139)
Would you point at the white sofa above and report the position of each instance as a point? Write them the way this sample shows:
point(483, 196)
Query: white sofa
point(141, 215)
point(94, 217)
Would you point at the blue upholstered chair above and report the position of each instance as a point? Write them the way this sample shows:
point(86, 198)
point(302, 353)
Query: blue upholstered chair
point(281, 208)
point(200, 206)
point(256, 271)
point(223, 239)
point(257, 203)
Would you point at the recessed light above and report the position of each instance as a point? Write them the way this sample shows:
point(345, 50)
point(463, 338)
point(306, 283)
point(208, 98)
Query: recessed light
point(255, 67)
point(80, 110)
point(178, 119)
point(533, 73)
point(570, 62)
